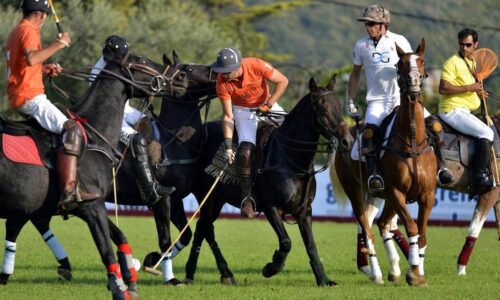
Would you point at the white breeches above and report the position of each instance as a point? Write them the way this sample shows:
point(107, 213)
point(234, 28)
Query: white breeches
point(45, 113)
point(462, 120)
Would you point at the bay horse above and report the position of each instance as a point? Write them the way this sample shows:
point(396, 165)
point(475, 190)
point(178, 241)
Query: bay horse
point(101, 112)
point(409, 168)
point(285, 185)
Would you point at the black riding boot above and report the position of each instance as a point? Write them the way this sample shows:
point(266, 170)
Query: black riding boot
point(370, 150)
point(151, 191)
point(483, 156)
point(435, 128)
point(244, 161)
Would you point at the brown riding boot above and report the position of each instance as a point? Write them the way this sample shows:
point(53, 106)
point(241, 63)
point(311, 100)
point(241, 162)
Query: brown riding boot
point(66, 172)
point(244, 161)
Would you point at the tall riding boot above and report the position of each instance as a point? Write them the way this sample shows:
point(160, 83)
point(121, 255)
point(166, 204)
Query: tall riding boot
point(66, 166)
point(244, 161)
point(151, 191)
point(444, 175)
point(370, 150)
point(483, 157)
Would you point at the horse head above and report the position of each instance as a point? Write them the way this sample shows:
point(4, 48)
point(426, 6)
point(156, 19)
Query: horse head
point(328, 109)
point(147, 78)
point(411, 70)
point(201, 78)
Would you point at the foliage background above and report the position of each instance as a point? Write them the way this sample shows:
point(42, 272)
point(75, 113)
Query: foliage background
point(302, 38)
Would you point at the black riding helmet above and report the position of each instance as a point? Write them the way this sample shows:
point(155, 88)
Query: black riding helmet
point(114, 46)
point(36, 5)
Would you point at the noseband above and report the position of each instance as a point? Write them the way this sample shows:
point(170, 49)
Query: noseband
point(411, 83)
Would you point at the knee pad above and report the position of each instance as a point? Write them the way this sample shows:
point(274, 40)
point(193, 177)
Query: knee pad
point(244, 159)
point(370, 138)
point(72, 138)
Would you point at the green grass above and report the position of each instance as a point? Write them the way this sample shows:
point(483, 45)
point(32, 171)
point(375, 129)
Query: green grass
point(248, 246)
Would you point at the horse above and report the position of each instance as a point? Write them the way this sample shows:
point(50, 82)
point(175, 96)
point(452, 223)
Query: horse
point(180, 140)
point(284, 184)
point(409, 168)
point(100, 112)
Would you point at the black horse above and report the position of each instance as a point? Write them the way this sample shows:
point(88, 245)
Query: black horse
point(30, 193)
point(284, 185)
point(180, 128)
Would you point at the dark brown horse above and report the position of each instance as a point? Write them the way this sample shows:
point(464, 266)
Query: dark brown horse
point(409, 166)
point(285, 183)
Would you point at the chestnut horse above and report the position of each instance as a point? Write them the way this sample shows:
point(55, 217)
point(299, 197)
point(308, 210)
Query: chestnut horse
point(409, 169)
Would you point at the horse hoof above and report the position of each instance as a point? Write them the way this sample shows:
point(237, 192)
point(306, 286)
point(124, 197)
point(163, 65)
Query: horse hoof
point(64, 273)
point(461, 270)
point(269, 270)
point(328, 282)
point(151, 259)
point(228, 280)
point(415, 280)
point(378, 280)
point(188, 281)
point(394, 278)
point(4, 278)
point(174, 282)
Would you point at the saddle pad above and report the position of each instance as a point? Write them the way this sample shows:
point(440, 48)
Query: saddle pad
point(21, 149)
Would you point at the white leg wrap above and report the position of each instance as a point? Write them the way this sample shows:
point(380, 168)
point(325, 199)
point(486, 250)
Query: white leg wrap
point(54, 245)
point(476, 224)
point(9, 258)
point(167, 269)
point(393, 224)
point(414, 259)
point(392, 254)
point(176, 249)
point(421, 254)
point(376, 272)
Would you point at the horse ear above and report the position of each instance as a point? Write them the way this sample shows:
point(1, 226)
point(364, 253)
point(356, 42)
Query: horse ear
point(399, 50)
point(177, 60)
point(331, 83)
point(166, 60)
point(421, 48)
point(312, 84)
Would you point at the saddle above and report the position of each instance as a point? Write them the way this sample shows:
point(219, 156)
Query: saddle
point(27, 142)
point(460, 147)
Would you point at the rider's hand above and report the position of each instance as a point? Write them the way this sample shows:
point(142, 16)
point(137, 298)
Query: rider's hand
point(51, 70)
point(265, 107)
point(64, 39)
point(230, 155)
point(352, 110)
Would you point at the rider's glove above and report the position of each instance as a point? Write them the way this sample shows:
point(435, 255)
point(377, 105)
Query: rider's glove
point(265, 108)
point(230, 155)
point(352, 109)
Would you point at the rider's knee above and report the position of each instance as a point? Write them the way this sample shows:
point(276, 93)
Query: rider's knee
point(72, 138)
point(244, 158)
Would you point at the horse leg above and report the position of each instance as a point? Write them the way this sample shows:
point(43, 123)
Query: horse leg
point(94, 214)
point(64, 268)
point(305, 228)
point(373, 207)
point(497, 217)
point(178, 218)
point(12, 229)
point(226, 276)
point(385, 224)
point(192, 261)
point(483, 206)
point(279, 256)
point(398, 200)
point(125, 259)
point(424, 210)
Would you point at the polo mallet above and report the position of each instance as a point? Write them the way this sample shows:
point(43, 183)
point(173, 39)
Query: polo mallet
point(486, 62)
point(58, 24)
point(153, 269)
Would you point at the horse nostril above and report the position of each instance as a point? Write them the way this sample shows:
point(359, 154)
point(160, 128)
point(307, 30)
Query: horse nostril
point(182, 75)
point(344, 144)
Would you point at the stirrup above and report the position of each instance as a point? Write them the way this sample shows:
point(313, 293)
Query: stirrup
point(445, 177)
point(245, 213)
point(378, 187)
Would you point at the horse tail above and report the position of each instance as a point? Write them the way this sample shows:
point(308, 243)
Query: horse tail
point(337, 188)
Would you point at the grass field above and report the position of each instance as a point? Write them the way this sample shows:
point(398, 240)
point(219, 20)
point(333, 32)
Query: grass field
point(248, 246)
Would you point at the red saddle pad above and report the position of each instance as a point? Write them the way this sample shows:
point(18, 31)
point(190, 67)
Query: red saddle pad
point(21, 149)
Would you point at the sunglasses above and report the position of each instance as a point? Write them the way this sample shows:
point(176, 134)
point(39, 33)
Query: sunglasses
point(370, 24)
point(467, 45)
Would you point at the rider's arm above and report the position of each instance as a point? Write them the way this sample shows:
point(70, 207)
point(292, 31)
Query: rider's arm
point(281, 83)
point(446, 88)
point(354, 81)
point(34, 57)
point(227, 119)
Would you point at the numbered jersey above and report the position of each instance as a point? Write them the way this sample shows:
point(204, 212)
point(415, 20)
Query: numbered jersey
point(380, 64)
